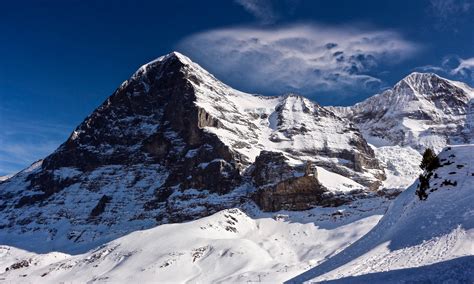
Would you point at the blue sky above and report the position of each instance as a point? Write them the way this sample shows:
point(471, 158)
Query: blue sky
point(60, 59)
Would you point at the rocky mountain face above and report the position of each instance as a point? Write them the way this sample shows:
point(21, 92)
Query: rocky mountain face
point(172, 144)
point(422, 110)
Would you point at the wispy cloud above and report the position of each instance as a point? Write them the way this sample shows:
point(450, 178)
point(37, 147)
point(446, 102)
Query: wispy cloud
point(303, 58)
point(454, 66)
point(263, 10)
point(430, 69)
point(447, 8)
point(449, 13)
point(465, 68)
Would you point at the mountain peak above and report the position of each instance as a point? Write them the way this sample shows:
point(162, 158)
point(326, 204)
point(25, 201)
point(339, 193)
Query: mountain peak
point(425, 109)
point(174, 56)
point(417, 80)
point(420, 76)
point(164, 59)
point(430, 85)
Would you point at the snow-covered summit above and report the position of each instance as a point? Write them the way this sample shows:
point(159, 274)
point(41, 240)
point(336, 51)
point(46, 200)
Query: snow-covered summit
point(173, 143)
point(422, 110)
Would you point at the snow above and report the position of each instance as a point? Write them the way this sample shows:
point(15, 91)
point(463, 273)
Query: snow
point(425, 236)
point(337, 183)
point(422, 110)
point(6, 177)
point(401, 166)
point(229, 246)
point(290, 124)
point(66, 173)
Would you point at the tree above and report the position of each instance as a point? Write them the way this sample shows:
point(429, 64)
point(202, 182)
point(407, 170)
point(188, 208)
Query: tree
point(424, 185)
point(430, 161)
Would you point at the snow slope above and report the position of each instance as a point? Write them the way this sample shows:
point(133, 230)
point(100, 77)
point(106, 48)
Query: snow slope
point(402, 167)
point(229, 246)
point(431, 240)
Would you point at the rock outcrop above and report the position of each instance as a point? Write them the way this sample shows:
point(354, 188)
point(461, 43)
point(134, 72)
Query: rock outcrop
point(282, 187)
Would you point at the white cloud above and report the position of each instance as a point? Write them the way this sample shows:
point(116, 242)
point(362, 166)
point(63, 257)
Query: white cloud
point(449, 14)
point(445, 9)
point(452, 66)
point(260, 9)
point(302, 58)
point(465, 68)
point(429, 68)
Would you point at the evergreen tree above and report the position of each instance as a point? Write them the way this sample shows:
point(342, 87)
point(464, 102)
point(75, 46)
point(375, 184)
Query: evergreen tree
point(424, 185)
point(430, 161)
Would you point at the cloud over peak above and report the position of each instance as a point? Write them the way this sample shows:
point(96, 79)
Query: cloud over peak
point(304, 58)
point(453, 66)
point(261, 9)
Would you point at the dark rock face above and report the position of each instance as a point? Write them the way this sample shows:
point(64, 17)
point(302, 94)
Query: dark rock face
point(144, 149)
point(282, 187)
point(151, 119)
point(297, 193)
point(271, 167)
point(100, 207)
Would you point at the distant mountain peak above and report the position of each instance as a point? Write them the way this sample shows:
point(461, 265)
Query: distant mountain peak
point(428, 84)
point(417, 76)
point(421, 110)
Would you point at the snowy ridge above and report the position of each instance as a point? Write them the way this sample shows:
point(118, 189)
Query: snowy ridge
point(6, 177)
point(174, 144)
point(302, 130)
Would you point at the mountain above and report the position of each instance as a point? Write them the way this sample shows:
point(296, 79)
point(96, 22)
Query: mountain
point(179, 177)
point(416, 241)
point(174, 144)
point(422, 110)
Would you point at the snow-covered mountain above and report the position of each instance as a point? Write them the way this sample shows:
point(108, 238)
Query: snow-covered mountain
point(179, 177)
point(422, 110)
point(174, 144)
point(428, 241)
